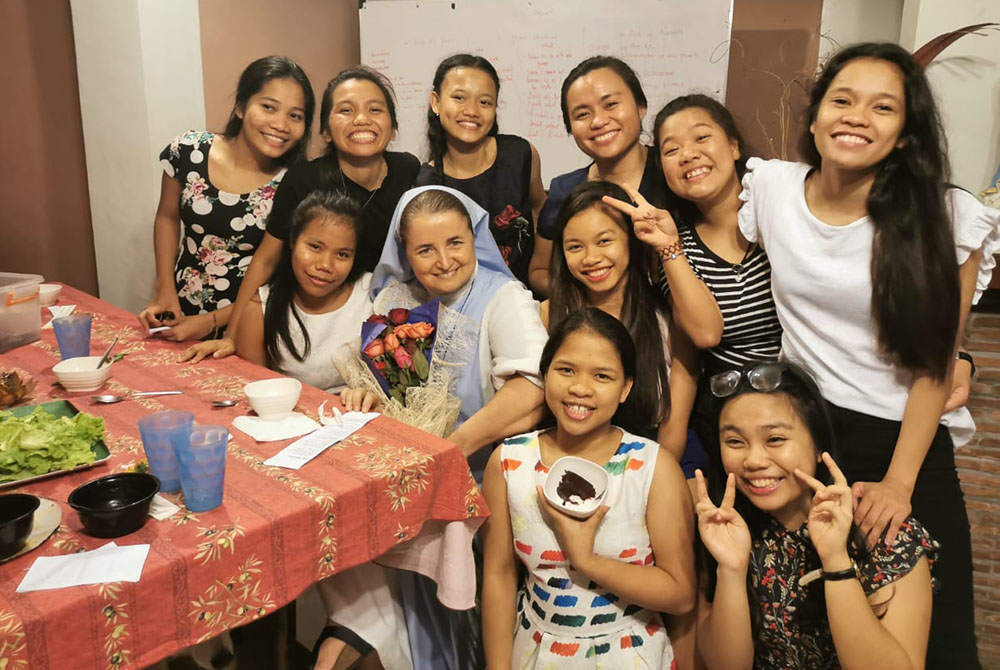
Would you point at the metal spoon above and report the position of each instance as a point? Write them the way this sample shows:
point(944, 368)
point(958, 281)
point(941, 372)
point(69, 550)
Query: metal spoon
point(225, 403)
point(109, 398)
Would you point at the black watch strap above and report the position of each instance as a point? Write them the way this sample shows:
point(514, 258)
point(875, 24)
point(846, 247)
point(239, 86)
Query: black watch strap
point(841, 575)
point(966, 356)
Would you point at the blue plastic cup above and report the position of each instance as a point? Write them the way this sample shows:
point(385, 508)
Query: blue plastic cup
point(203, 467)
point(73, 335)
point(161, 432)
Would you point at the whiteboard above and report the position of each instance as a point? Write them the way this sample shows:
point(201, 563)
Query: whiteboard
point(675, 46)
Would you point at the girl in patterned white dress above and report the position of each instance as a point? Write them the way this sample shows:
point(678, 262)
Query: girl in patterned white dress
point(592, 589)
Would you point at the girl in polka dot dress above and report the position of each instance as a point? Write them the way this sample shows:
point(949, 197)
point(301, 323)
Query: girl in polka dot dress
point(216, 194)
point(592, 589)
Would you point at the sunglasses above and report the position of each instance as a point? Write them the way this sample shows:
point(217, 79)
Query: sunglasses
point(764, 377)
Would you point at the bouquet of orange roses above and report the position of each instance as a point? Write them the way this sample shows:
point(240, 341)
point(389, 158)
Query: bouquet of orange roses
point(397, 347)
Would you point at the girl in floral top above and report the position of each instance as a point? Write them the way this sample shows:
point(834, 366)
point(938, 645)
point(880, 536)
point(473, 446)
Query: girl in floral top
point(216, 194)
point(789, 583)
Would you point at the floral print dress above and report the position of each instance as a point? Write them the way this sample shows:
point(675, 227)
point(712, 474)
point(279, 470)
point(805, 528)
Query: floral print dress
point(795, 632)
point(564, 620)
point(219, 230)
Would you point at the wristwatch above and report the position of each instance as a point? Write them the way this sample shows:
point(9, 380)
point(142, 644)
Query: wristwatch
point(841, 575)
point(966, 356)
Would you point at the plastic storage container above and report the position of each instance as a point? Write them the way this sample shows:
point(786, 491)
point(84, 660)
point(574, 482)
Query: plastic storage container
point(20, 311)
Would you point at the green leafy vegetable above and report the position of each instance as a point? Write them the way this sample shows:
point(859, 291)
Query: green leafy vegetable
point(41, 442)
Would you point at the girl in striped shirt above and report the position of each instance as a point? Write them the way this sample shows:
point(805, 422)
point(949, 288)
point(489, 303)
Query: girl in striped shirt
point(719, 284)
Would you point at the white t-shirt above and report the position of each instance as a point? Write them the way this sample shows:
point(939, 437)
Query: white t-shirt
point(821, 279)
point(327, 332)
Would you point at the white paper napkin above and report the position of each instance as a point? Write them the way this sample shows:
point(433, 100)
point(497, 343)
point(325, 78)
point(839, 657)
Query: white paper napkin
point(58, 311)
point(270, 430)
point(109, 563)
point(161, 508)
point(300, 452)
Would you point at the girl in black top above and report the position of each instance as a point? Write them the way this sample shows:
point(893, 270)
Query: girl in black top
point(500, 172)
point(603, 106)
point(357, 120)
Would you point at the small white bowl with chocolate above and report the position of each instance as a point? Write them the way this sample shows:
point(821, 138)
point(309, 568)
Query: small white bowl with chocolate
point(576, 486)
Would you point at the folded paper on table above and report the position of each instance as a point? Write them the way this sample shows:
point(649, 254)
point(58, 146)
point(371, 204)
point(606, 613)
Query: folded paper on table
point(270, 430)
point(161, 508)
point(58, 311)
point(106, 564)
point(300, 452)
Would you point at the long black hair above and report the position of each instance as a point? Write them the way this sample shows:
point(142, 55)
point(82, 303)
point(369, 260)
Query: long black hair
point(649, 402)
point(331, 176)
point(253, 79)
point(335, 207)
point(801, 390)
point(685, 211)
point(437, 144)
point(915, 285)
point(600, 323)
point(587, 66)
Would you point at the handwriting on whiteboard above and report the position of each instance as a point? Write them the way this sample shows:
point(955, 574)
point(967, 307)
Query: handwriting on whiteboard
point(533, 46)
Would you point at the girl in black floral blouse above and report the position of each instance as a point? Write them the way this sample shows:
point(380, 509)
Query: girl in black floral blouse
point(789, 582)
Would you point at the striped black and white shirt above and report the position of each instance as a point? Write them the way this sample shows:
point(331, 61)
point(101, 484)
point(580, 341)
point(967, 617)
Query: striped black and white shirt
point(751, 330)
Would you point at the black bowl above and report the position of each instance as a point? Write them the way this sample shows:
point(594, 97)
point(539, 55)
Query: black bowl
point(17, 516)
point(115, 505)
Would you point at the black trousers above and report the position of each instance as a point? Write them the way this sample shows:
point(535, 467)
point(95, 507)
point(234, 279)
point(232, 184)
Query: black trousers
point(866, 444)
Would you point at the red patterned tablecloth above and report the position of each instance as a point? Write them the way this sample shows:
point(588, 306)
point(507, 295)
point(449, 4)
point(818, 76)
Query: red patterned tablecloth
point(278, 531)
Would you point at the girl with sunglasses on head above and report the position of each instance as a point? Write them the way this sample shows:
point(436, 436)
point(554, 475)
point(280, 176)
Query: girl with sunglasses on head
point(875, 263)
point(215, 195)
point(357, 120)
point(500, 172)
point(592, 590)
point(789, 581)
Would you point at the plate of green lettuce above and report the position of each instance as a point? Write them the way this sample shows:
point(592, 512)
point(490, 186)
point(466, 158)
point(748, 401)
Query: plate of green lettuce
point(53, 438)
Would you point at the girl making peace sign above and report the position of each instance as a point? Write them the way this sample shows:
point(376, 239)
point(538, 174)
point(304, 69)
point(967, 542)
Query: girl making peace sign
point(789, 583)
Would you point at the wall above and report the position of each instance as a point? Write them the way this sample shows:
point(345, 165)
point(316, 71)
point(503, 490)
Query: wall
point(45, 216)
point(773, 50)
point(320, 35)
point(966, 81)
point(979, 469)
point(845, 22)
point(139, 67)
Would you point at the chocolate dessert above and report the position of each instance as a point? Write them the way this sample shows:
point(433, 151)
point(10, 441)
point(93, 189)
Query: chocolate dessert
point(574, 489)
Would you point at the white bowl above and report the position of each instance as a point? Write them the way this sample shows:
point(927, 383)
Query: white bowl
point(81, 374)
point(273, 398)
point(581, 467)
point(48, 293)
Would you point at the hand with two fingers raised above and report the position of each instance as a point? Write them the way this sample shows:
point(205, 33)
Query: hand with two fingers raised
point(653, 226)
point(723, 531)
point(830, 515)
point(575, 536)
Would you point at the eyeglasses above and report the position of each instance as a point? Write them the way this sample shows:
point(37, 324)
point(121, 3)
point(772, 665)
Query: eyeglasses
point(764, 377)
